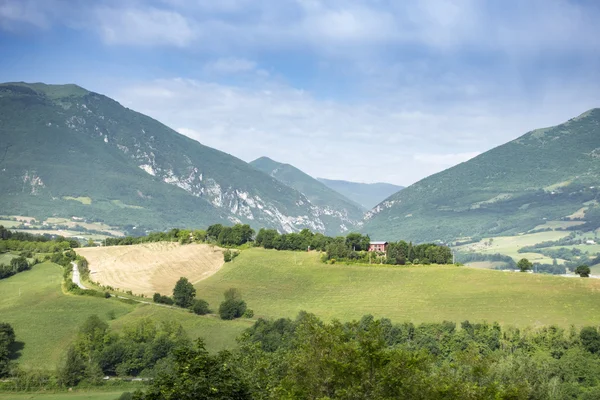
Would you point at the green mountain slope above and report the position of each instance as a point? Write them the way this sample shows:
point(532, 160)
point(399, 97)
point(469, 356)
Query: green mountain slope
point(367, 195)
point(61, 141)
point(547, 174)
point(336, 209)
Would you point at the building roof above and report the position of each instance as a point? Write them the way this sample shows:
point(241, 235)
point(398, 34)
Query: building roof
point(379, 242)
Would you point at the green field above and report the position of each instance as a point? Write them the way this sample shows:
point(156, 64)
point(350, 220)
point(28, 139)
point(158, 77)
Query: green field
point(6, 257)
point(510, 245)
point(280, 284)
point(77, 395)
point(46, 320)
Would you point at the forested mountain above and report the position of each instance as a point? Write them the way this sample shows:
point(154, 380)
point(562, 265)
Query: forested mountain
point(65, 151)
point(547, 174)
point(368, 195)
point(337, 208)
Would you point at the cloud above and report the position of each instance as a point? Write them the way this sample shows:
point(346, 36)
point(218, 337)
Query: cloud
point(230, 66)
point(397, 141)
point(444, 160)
point(143, 26)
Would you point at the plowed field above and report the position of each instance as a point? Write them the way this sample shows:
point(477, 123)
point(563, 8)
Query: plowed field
point(152, 267)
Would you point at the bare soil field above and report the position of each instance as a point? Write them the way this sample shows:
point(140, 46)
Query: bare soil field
point(151, 267)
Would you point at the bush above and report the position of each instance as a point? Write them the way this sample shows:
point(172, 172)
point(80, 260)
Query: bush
point(233, 306)
point(200, 307)
point(249, 313)
point(227, 256)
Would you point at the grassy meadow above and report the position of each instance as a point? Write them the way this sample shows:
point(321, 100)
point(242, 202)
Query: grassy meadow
point(46, 320)
point(76, 395)
point(280, 284)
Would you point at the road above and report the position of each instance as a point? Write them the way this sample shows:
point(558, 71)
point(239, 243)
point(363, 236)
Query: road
point(76, 276)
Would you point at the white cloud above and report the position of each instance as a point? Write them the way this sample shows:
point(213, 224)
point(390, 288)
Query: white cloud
point(395, 140)
point(230, 66)
point(143, 26)
point(444, 160)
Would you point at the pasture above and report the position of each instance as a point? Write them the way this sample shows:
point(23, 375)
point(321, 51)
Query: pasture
point(510, 245)
point(151, 267)
point(280, 284)
point(46, 320)
point(75, 395)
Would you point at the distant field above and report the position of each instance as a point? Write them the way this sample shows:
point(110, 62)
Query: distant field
point(6, 257)
point(46, 319)
point(510, 245)
point(83, 200)
point(277, 284)
point(153, 267)
point(559, 224)
point(9, 224)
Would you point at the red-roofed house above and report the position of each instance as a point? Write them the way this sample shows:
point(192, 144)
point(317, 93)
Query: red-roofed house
point(378, 246)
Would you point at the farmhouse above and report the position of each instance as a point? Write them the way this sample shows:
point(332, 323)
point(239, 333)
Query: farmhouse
point(378, 246)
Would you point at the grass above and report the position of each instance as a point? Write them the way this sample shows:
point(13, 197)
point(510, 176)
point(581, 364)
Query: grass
point(510, 245)
point(280, 284)
point(77, 395)
point(83, 200)
point(9, 224)
point(6, 257)
point(46, 320)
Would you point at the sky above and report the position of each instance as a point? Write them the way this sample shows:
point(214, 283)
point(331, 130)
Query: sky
point(360, 90)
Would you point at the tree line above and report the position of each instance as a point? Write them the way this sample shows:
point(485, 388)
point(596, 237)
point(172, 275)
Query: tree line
point(307, 358)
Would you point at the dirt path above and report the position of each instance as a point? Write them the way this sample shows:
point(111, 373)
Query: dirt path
point(77, 276)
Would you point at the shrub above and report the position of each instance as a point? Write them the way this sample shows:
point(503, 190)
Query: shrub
point(249, 313)
point(200, 307)
point(233, 306)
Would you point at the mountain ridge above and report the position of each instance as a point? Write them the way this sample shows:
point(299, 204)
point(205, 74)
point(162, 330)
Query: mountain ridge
point(546, 174)
point(368, 195)
point(64, 141)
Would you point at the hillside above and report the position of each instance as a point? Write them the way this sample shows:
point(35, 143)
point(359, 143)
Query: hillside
point(367, 195)
point(545, 175)
point(338, 209)
point(65, 151)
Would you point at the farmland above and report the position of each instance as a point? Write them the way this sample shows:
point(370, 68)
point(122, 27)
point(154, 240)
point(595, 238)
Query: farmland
point(280, 284)
point(153, 267)
point(46, 320)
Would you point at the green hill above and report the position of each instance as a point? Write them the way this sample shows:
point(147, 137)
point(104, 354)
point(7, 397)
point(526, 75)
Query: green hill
point(46, 320)
point(546, 175)
point(367, 195)
point(335, 208)
point(60, 144)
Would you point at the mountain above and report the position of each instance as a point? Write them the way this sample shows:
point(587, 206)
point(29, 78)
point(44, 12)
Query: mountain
point(367, 195)
point(547, 174)
point(66, 151)
point(336, 209)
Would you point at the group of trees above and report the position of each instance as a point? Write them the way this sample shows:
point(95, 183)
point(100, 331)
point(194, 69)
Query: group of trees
point(184, 296)
point(307, 358)
point(17, 264)
point(7, 339)
point(26, 242)
point(138, 349)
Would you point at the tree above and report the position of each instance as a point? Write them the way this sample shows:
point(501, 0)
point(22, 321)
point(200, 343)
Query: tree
point(198, 375)
point(590, 339)
point(233, 306)
point(184, 293)
point(200, 307)
point(583, 271)
point(524, 265)
point(73, 370)
point(7, 338)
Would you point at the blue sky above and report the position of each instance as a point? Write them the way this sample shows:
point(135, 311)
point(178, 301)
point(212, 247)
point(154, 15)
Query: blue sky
point(364, 90)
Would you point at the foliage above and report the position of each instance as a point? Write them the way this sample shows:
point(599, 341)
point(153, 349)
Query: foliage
point(200, 307)
point(229, 255)
point(7, 339)
point(97, 351)
point(184, 293)
point(583, 271)
point(524, 265)
point(233, 306)
point(198, 375)
point(161, 299)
